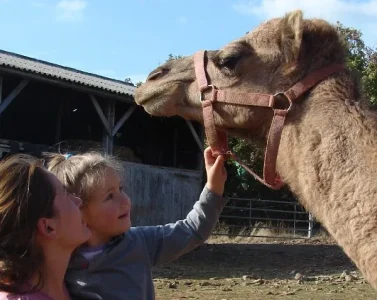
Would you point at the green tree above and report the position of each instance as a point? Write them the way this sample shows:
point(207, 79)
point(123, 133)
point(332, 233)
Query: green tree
point(173, 57)
point(128, 80)
point(362, 58)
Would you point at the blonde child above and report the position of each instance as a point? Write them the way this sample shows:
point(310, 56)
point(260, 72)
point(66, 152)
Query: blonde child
point(117, 260)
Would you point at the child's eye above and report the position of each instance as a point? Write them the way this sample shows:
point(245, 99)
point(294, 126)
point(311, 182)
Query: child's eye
point(121, 189)
point(109, 197)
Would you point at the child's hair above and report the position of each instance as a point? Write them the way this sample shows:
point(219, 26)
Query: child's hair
point(26, 195)
point(81, 173)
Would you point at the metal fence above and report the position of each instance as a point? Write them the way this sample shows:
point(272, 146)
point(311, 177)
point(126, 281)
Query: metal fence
point(283, 219)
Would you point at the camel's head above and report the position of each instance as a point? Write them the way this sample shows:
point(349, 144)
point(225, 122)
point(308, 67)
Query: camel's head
point(269, 59)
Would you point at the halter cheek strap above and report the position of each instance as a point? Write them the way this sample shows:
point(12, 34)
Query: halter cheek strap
point(218, 139)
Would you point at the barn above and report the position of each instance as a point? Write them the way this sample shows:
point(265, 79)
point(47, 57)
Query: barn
point(49, 107)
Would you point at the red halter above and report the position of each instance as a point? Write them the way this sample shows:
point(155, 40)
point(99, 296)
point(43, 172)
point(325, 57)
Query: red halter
point(218, 139)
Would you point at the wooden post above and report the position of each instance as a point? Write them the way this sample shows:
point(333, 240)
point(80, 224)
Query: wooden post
point(58, 133)
point(111, 120)
point(1, 88)
point(107, 140)
point(108, 121)
point(198, 140)
point(8, 100)
point(123, 119)
point(100, 114)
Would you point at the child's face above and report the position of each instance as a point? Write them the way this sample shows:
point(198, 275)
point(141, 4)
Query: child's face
point(108, 210)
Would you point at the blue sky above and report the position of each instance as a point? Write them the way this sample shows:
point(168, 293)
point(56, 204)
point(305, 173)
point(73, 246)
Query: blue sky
point(129, 38)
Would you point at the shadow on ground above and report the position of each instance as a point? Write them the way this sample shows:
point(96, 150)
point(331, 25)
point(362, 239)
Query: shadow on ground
point(267, 261)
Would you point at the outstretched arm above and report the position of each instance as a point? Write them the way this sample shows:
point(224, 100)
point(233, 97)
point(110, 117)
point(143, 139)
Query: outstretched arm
point(168, 242)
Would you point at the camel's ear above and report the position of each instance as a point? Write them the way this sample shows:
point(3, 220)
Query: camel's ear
point(290, 39)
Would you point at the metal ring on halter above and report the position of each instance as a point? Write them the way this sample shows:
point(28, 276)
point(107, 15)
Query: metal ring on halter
point(202, 92)
point(282, 94)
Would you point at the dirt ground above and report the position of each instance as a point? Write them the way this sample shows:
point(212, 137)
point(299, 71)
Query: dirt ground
point(262, 270)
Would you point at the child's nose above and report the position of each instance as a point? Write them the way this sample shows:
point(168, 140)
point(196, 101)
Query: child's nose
point(126, 200)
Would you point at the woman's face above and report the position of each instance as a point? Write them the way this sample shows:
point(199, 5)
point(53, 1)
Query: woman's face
point(70, 229)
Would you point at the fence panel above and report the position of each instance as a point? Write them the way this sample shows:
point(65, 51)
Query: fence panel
point(281, 219)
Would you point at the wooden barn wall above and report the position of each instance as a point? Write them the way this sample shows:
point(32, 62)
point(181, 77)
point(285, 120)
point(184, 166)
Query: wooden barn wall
point(160, 195)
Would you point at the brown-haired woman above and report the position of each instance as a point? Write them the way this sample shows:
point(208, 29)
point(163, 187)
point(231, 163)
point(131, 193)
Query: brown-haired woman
point(40, 226)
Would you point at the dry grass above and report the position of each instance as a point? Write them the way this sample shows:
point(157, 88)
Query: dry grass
point(217, 269)
point(227, 290)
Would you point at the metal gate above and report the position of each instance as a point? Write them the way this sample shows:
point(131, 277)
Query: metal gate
point(246, 217)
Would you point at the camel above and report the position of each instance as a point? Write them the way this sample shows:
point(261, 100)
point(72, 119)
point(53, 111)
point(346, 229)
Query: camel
point(327, 153)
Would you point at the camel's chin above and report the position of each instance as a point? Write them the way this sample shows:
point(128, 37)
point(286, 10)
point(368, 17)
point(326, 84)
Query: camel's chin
point(159, 110)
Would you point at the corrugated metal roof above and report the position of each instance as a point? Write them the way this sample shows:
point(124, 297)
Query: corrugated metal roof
point(46, 69)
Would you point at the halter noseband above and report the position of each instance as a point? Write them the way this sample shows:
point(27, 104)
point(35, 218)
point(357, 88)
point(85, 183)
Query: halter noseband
point(217, 140)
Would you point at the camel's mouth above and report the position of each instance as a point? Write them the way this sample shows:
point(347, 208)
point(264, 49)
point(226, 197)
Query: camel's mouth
point(160, 99)
point(143, 100)
point(148, 93)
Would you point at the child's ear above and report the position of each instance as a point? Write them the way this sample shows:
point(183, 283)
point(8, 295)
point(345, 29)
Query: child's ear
point(47, 228)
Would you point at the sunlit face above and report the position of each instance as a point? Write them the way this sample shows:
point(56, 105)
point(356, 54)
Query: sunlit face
point(70, 228)
point(108, 212)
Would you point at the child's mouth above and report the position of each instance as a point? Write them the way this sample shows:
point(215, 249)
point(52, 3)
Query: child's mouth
point(123, 216)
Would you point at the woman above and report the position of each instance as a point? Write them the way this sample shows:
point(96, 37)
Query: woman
point(40, 226)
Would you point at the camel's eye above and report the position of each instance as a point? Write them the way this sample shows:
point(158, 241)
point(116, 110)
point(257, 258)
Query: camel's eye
point(228, 63)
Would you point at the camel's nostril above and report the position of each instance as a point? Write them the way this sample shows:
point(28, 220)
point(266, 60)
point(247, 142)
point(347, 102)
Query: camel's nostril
point(157, 73)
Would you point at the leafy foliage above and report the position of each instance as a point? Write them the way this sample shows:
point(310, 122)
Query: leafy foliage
point(173, 57)
point(361, 58)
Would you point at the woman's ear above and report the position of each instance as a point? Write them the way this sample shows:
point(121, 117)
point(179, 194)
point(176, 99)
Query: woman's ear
point(47, 228)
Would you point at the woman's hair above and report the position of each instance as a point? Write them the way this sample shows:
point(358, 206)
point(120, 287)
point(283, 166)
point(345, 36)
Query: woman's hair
point(26, 195)
point(81, 173)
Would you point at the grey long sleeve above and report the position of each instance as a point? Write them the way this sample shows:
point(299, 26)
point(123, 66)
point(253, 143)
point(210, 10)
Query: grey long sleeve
point(168, 242)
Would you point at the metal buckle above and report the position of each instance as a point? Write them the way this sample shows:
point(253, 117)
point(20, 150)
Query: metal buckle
point(282, 96)
point(201, 97)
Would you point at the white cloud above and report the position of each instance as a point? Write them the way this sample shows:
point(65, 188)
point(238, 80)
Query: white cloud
point(354, 13)
point(70, 10)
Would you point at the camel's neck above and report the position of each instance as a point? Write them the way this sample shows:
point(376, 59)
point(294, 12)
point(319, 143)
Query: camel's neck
point(330, 144)
point(328, 158)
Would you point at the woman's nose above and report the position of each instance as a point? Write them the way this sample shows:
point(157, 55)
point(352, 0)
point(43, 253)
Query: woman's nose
point(77, 201)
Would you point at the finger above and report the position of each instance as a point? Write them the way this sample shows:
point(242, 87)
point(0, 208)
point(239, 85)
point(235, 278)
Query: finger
point(208, 157)
point(208, 149)
point(219, 163)
point(223, 172)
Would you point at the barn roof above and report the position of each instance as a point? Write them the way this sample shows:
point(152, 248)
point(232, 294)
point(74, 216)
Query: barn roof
point(28, 65)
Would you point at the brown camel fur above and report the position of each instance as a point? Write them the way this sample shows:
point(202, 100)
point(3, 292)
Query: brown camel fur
point(327, 154)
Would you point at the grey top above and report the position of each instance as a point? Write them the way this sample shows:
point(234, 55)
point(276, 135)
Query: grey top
point(123, 269)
